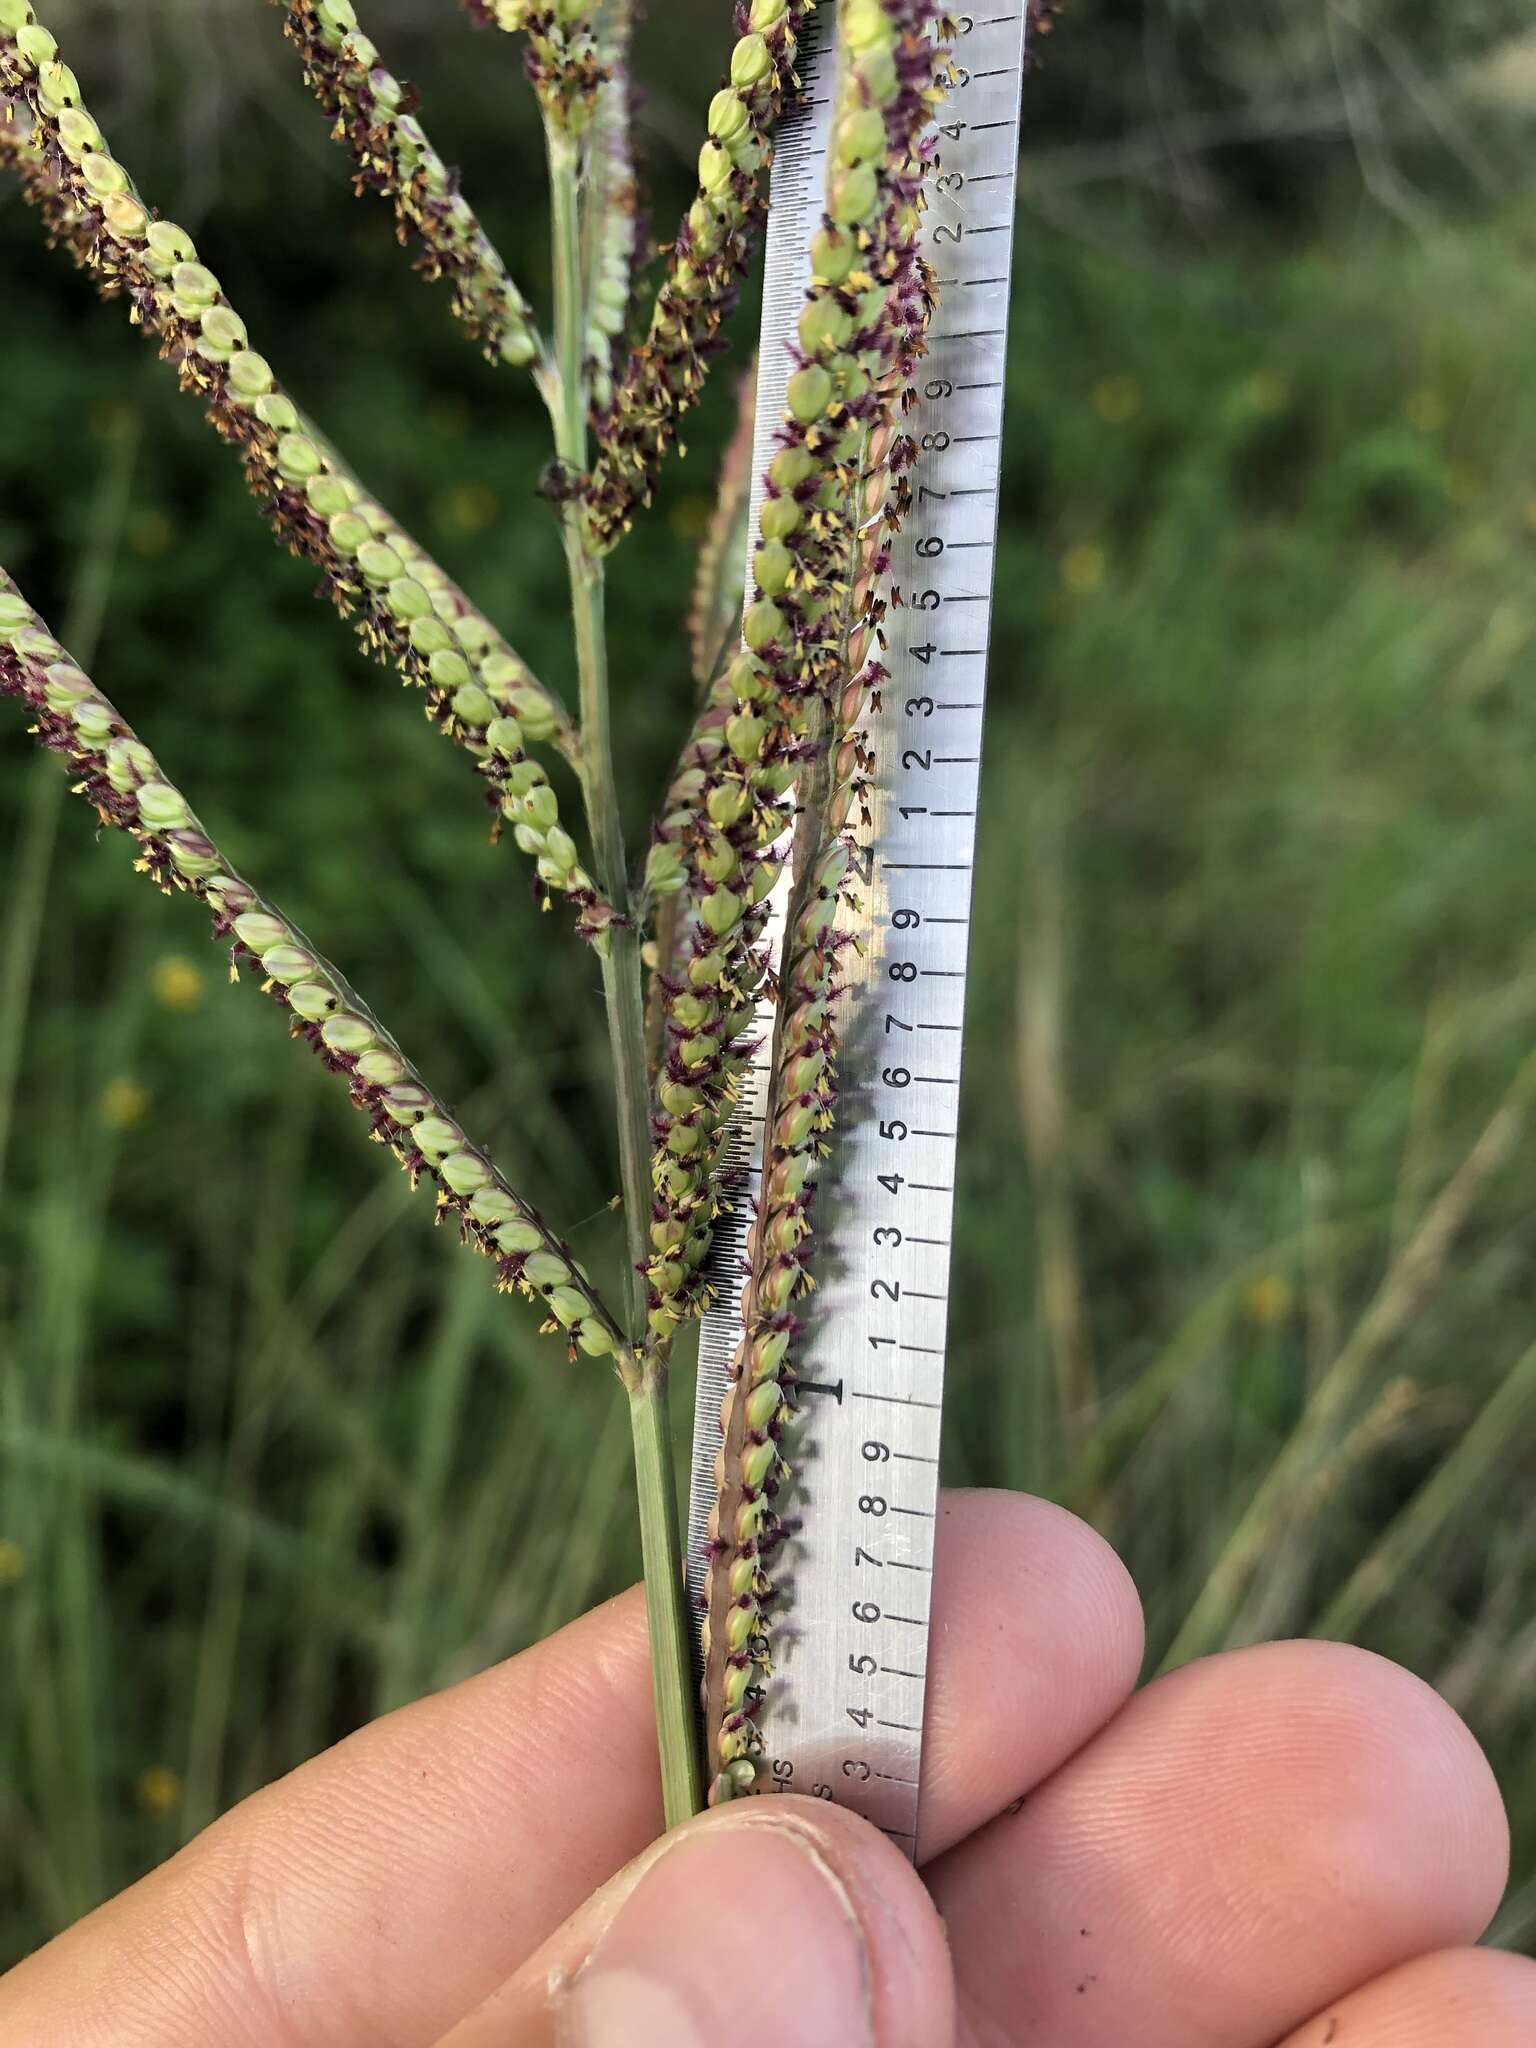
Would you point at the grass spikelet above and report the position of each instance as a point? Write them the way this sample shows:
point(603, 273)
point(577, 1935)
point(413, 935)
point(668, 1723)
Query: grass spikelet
point(667, 369)
point(563, 57)
point(836, 487)
point(409, 615)
point(127, 788)
point(374, 114)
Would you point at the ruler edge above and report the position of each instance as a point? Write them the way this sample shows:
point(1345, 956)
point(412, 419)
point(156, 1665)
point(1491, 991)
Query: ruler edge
point(770, 381)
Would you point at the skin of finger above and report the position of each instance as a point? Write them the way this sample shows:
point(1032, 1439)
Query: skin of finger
point(382, 1890)
point(1254, 1835)
point(1460, 1998)
point(839, 1899)
point(1037, 1634)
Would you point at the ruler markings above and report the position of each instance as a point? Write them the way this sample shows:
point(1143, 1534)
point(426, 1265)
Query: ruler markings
point(839, 1713)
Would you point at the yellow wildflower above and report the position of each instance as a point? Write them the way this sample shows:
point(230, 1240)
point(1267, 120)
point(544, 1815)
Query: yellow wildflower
point(157, 1791)
point(1269, 391)
point(177, 982)
point(123, 1103)
point(1083, 568)
point(1427, 410)
point(1267, 1300)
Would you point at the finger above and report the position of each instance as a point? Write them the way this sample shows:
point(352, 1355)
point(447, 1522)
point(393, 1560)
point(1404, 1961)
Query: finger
point(392, 1883)
point(1037, 1641)
point(785, 1918)
point(1461, 1998)
point(1252, 1836)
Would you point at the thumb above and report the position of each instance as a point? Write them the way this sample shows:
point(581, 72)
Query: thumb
point(785, 1918)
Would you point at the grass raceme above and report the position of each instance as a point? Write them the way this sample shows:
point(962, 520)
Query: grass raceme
point(771, 778)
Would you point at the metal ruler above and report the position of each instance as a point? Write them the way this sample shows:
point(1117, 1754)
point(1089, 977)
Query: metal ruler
point(844, 1714)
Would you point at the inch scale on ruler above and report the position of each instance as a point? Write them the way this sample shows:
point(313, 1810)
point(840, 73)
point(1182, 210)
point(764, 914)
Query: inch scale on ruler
point(844, 1713)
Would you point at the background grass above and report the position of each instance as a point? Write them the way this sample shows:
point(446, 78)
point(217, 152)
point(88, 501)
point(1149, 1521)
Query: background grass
point(1247, 1180)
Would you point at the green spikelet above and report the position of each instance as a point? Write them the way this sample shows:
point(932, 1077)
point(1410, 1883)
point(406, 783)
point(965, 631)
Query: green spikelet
point(120, 778)
point(371, 112)
point(409, 614)
point(666, 370)
point(836, 490)
point(563, 57)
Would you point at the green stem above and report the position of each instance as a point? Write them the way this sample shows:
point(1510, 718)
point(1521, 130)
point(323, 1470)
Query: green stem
point(666, 1606)
point(660, 1542)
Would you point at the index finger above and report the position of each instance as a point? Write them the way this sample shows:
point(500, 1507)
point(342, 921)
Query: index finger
point(379, 1892)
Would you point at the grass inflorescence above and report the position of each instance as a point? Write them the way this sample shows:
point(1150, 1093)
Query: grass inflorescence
point(375, 115)
point(776, 759)
point(809, 662)
point(128, 790)
point(667, 368)
point(479, 692)
point(1250, 982)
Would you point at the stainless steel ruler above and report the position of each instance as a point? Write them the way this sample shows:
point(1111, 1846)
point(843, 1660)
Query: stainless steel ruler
point(844, 1715)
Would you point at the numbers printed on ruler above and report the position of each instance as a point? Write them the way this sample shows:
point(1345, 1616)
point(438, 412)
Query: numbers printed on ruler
point(845, 1706)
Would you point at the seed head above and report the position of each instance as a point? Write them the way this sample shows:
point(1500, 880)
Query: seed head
point(832, 493)
point(667, 369)
point(120, 778)
point(372, 112)
point(409, 615)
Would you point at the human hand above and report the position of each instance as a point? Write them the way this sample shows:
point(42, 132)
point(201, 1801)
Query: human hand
point(1285, 1845)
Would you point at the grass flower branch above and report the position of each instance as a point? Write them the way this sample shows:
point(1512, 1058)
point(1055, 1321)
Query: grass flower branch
point(776, 765)
point(714, 628)
point(667, 369)
point(478, 692)
point(834, 488)
point(374, 114)
point(129, 790)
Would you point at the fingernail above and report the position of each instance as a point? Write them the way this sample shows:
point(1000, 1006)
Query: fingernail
point(744, 1927)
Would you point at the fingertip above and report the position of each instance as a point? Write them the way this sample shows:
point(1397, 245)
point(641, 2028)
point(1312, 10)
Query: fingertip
point(1381, 1788)
point(1255, 1833)
point(1472, 1998)
point(911, 1976)
point(778, 1916)
point(1400, 1752)
point(1038, 1641)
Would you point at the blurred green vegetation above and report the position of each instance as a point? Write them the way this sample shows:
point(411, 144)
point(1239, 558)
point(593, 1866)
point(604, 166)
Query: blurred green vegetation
point(1246, 1225)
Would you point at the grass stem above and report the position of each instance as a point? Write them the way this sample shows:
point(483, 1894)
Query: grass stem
point(666, 1605)
point(660, 1540)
